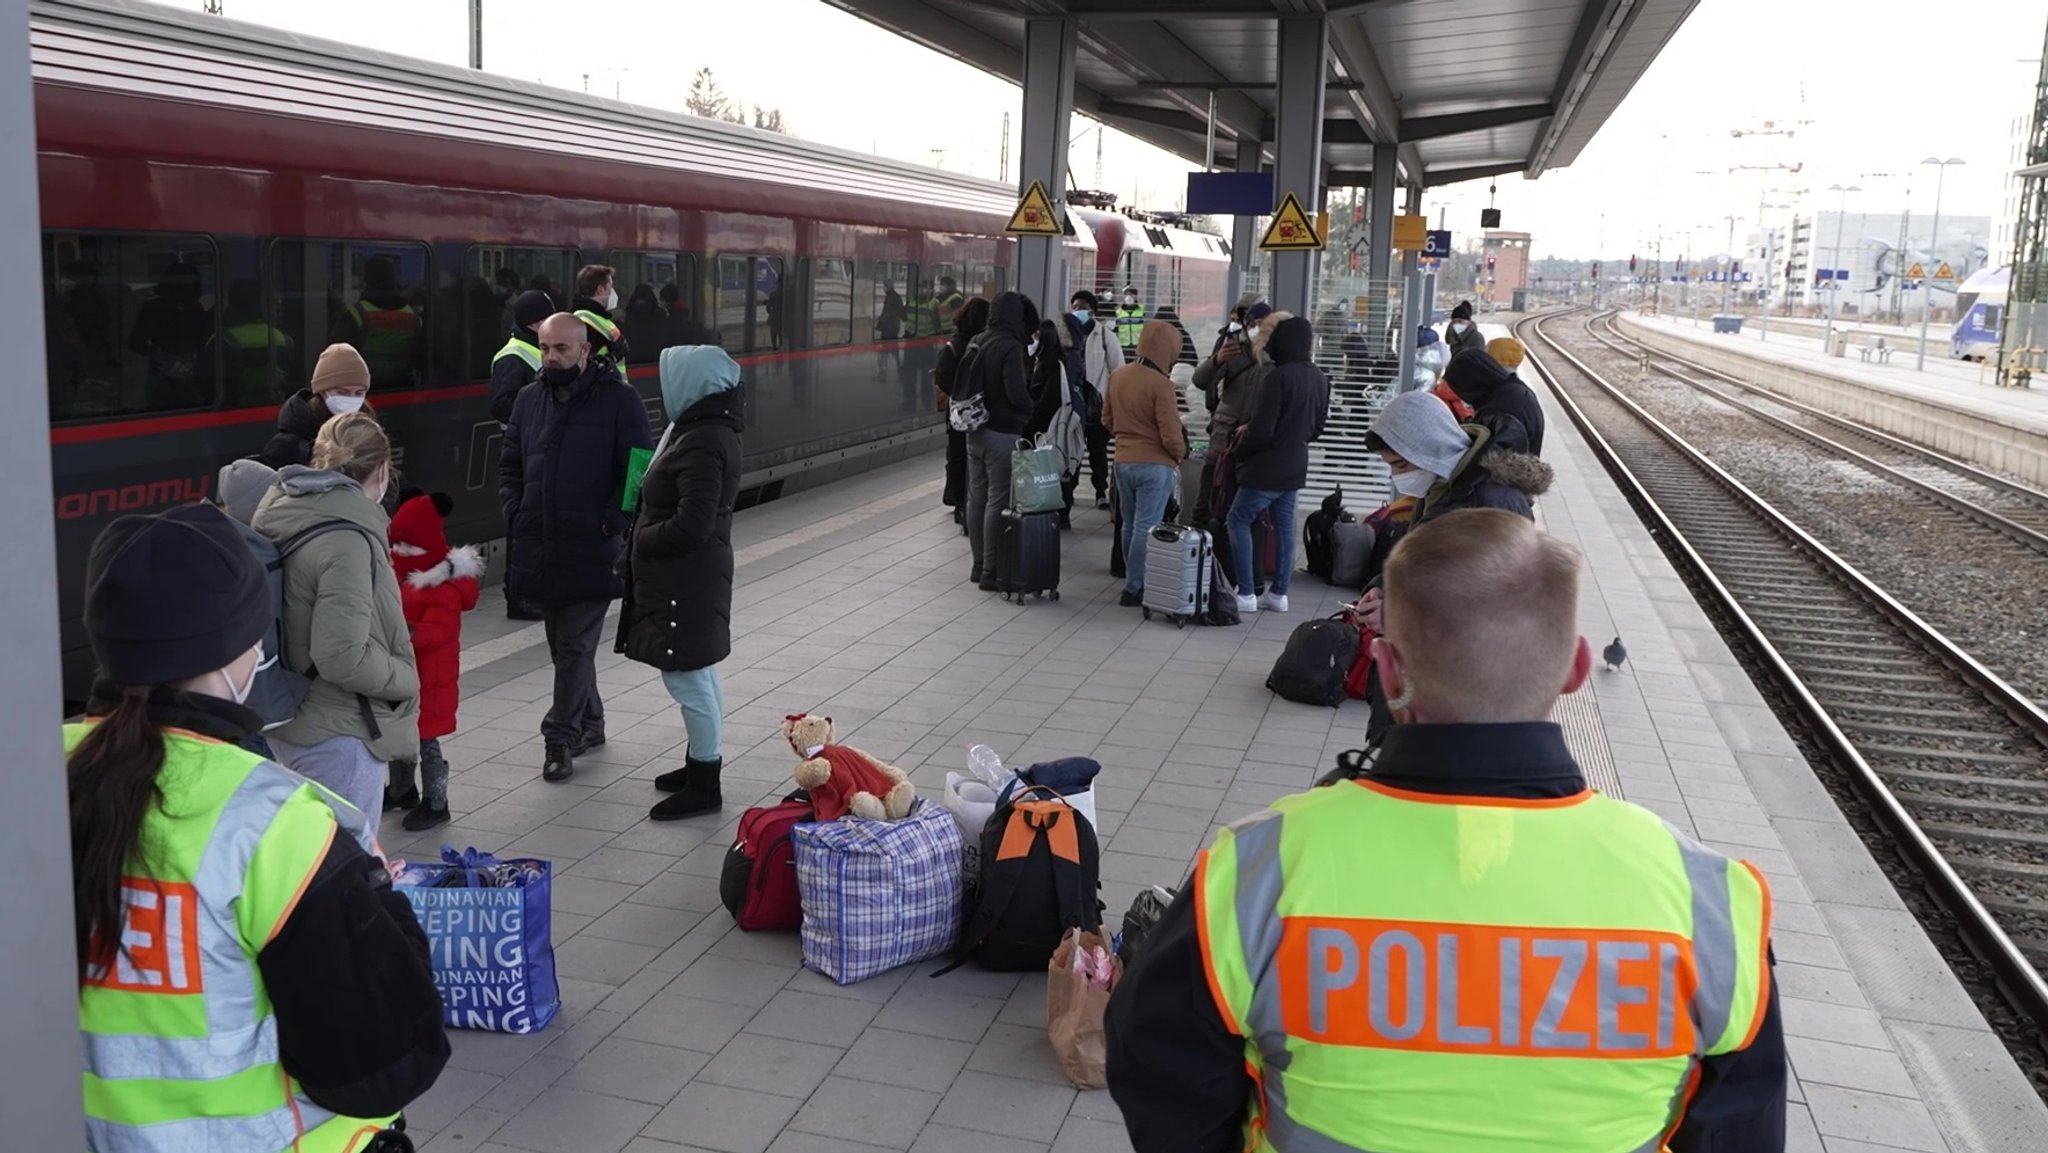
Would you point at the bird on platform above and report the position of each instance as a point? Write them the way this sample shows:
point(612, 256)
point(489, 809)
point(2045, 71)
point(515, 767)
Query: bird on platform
point(1615, 655)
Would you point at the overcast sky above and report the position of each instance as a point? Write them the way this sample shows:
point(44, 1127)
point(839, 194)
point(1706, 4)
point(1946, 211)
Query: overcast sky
point(1860, 98)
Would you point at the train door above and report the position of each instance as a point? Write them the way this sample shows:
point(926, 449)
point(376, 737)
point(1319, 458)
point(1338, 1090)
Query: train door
point(749, 302)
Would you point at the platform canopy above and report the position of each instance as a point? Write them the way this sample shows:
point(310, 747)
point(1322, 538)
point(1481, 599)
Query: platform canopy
point(1466, 88)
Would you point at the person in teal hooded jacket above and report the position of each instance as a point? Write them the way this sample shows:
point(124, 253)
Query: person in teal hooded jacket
point(678, 613)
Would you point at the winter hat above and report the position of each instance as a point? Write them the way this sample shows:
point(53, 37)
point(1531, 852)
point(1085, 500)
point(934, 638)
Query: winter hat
point(1507, 350)
point(418, 540)
point(1257, 313)
point(172, 597)
point(1425, 336)
point(532, 307)
point(1422, 430)
point(340, 366)
point(242, 484)
point(1463, 311)
point(1475, 375)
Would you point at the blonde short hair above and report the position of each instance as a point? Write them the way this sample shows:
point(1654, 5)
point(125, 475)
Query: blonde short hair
point(352, 444)
point(1483, 607)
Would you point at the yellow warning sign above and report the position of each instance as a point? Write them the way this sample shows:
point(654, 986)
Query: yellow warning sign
point(1291, 230)
point(1411, 233)
point(1944, 272)
point(1035, 215)
point(1917, 271)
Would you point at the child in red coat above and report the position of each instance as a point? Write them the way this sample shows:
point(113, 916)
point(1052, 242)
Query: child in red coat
point(436, 585)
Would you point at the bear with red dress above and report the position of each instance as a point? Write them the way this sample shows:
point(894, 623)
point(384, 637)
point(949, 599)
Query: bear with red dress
point(436, 585)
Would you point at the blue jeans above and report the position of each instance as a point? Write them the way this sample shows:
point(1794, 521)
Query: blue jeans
point(1141, 492)
point(1244, 510)
point(702, 700)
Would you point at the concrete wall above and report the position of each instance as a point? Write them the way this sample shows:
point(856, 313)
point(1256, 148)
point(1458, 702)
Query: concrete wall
point(1953, 429)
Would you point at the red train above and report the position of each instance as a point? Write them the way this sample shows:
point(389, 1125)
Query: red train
point(220, 201)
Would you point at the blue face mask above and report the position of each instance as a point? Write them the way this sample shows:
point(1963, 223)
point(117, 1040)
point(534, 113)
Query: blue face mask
point(1083, 315)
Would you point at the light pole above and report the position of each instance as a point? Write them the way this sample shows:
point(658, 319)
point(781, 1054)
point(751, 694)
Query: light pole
point(476, 34)
point(1934, 254)
point(1835, 286)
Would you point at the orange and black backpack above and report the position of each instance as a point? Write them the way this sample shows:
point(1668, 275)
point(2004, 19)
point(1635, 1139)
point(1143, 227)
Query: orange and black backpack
point(1040, 872)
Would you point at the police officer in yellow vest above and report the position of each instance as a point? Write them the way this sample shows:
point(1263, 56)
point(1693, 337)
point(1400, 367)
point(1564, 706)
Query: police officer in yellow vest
point(518, 363)
point(248, 980)
point(385, 327)
point(1465, 951)
point(255, 351)
point(1130, 318)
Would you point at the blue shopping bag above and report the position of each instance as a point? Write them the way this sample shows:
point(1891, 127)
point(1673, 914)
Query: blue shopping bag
point(487, 923)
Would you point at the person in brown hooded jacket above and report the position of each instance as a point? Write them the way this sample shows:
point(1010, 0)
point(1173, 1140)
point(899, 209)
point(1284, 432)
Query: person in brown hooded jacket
point(1143, 414)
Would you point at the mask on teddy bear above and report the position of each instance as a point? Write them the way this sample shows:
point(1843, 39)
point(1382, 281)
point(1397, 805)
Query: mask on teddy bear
point(844, 781)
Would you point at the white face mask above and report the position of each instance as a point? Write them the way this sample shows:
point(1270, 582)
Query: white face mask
point(241, 695)
point(1415, 483)
point(1031, 349)
point(1129, 301)
point(1234, 328)
point(1459, 326)
point(339, 404)
point(374, 487)
point(610, 299)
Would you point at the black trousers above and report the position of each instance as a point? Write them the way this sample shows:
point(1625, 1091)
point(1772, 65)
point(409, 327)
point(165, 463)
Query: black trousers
point(574, 631)
point(1098, 455)
point(956, 469)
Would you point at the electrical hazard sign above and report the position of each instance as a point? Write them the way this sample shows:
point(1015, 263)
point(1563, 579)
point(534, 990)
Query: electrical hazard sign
point(1917, 271)
point(1035, 215)
point(1944, 273)
point(1291, 230)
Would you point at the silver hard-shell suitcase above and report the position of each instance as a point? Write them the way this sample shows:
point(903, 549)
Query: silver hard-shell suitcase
point(1178, 560)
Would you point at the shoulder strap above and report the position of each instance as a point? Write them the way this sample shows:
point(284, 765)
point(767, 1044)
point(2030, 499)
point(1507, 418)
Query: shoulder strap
point(305, 536)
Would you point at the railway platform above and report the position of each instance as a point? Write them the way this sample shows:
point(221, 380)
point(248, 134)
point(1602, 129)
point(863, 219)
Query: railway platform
point(678, 1032)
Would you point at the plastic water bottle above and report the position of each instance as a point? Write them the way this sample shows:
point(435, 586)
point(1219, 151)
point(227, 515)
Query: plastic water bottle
point(984, 763)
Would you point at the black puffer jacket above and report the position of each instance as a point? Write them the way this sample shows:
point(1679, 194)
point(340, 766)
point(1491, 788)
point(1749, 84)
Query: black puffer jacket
point(681, 600)
point(298, 421)
point(1001, 370)
point(1292, 405)
point(561, 476)
point(1492, 390)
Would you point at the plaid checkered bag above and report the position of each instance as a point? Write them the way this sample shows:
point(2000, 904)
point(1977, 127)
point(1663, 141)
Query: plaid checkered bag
point(878, 894)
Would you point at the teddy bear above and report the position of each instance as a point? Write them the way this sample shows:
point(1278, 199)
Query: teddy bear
point(841, 780)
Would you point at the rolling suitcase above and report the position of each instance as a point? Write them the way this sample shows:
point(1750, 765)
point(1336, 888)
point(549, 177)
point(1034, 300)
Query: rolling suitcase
point(1178, 560)
point(1028, 555)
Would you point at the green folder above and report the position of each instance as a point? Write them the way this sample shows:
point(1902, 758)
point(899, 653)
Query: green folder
point(637, 461)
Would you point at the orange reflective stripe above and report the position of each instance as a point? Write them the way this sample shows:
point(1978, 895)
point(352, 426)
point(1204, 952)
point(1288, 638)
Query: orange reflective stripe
point(1763, 958)
point(1223, 1009)
point(1055, 818)
point(159, 948)
point(1482, 802)
point(1502, 990)
point(319, 859)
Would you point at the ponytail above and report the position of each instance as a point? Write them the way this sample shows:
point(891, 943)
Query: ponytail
point(112, 777)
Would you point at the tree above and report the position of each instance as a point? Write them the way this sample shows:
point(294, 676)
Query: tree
point(770, 119)
point(706, 99)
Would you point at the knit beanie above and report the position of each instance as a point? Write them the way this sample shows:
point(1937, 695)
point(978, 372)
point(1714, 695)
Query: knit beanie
point(242, 485)
point(340, 366)
point(1463, 311)
point(1257, 313)
point(1475, 375)
point(532, 307)
point(172, 597)
point(1422, 430)
point(1507, 350)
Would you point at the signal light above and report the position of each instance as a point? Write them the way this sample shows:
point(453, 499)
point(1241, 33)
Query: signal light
point(1631, 264)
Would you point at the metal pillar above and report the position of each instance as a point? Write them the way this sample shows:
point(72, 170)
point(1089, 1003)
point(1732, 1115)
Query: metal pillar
point(1412, 315)
point(1048, 109)
point(39, 1087)
point(1386, 160)
point(476, 34)
point(1304, 66)
point(1244, 235)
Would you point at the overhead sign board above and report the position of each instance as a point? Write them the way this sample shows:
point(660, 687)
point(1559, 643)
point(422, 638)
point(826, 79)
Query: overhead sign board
point(1291, 229)
point(1035, 215)
point(1230, 193)
point(1411, 233)
point(1437, 244)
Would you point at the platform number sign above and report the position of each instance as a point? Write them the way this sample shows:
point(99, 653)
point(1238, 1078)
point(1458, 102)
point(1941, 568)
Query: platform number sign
point(1436, 245)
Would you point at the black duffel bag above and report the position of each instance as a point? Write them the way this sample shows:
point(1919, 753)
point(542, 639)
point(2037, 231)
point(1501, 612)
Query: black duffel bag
point(1318, 656)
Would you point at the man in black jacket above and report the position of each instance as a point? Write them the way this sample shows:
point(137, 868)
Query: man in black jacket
point(516, 366)
point(998, 371)
point(1494, 390)
point(561, 479)
point(1477, 631)
point(1271, 458)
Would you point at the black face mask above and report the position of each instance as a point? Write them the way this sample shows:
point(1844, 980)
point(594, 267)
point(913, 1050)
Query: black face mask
point(560, 377)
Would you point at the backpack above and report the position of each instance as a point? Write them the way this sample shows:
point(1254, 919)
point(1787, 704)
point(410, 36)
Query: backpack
point(1040, 867)
point(279, 690)
point(1313, 668)
point(757, 883)
point(1318, 539)
point(1350, 553)
point(1068, 433)
point(967, 412)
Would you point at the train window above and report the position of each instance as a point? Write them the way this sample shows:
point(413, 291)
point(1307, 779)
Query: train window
point(372, 295)
point(131, 323)
point(981, 281)
point(750, 302)
point(943, 295)
point(885, 292)
point(494, 277)
point(831, 303)
point(657, 301)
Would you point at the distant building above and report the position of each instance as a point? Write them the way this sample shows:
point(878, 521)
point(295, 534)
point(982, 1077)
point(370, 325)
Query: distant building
point(1503, 264)
point(1877, 249)
point(2009, 197)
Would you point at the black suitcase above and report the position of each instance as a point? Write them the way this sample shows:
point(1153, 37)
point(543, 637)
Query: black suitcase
point(1028, 555)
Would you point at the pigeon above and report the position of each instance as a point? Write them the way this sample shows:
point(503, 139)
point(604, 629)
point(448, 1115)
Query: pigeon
point(1614, 655)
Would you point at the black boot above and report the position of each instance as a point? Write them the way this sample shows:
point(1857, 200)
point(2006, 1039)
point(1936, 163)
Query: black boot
point(427, 816)
point(557, 765)
point(693, 789)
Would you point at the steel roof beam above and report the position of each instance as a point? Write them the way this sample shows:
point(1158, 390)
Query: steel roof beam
point(1444, 176)
point(1157, 52)
point(1417, 128)
point(1601, 24)
point(1373, 102)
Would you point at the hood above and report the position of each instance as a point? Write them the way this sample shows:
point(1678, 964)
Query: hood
point(1008, 317)
point(303, 497)
point(1263, 334)
point(298, 417)
point(1519, 470)
point(242, 484)
point(1425, 434)
point(1292, 342)
point(1475, 376)
point(1159, 342)
point(418, 539)
point(691, 372)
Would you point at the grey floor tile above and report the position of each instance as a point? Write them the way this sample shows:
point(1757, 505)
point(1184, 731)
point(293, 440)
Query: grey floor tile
point(622, 865)
point(1083, 1136)
point(1874, 1117)
point(728, 979)
point(1018, 1051)
point(1849, 1067)
point(470, 1132)
point(886, 1115)
point(796, 1016)
point(688, 1023)
point(946, 1015)
point(1007, 1106)
point(1840, 1023)
point(887, 1057)
point(771, 1064)
point(603, 961)
point(938, 1138)
point(570, 1121)
point(635, 1070)
point(722, 1119)
point(454, 1091)
point(798, 1141)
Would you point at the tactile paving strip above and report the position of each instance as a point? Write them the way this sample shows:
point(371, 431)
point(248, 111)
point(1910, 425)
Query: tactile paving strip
point(1586, 737)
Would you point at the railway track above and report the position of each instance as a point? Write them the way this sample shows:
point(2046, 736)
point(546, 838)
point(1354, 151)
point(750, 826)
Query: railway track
point(1951, 760)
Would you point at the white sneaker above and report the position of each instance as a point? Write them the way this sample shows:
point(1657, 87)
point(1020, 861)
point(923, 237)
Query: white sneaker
point(1273, 602)
point(1247, 605)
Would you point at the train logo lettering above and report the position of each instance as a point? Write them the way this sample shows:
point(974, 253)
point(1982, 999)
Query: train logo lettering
point(133, 497)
